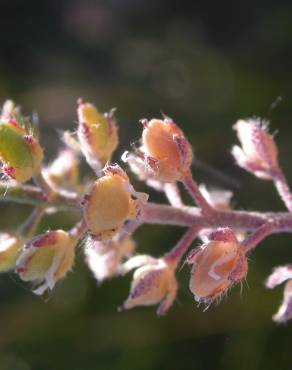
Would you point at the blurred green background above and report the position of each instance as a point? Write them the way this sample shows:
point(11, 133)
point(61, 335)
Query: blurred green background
point(203, 63)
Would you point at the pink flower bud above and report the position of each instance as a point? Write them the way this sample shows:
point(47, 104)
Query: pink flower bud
point(167, 153)
point(46, 259)
point(259, 153)
point(153, 283)
point(10, 247)
point(110, 202)
point(279, 275)
point(104, 260)
point(217, 265)
point(97, 134)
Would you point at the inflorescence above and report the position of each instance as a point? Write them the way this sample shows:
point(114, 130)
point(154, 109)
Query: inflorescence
point(111, 210)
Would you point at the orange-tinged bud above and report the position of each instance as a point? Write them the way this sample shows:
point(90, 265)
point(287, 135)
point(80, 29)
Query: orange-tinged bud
point(153, 283)
point(10, 246)
point(97, 134)
point(167, 152)
point(217, 265)
point(110, 203)
point(259, 152)
point(63, 171)
point(104, 259)
point(20, 153)
point(46, 259)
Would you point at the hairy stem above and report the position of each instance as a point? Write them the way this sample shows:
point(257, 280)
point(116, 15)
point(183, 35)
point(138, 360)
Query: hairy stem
point(28, 228)
point(239, 220)
point(175, 255)
point(41, 182)
point(78, 230)
point(18, 193)
point(172, 193)
point(257, 236)
point(283, 188)
point(194, 191)
point(33, 195)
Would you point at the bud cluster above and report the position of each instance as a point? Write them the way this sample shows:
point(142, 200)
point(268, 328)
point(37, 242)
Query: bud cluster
point(111, 209)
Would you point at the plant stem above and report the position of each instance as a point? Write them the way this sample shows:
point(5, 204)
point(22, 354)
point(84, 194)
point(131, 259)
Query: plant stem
point(19, 193)
point(172, 193)
point(175, 255)
point(283, 188)
point(28, 228)
point(78, 230)
point(33, 195)
point(239, 220)
point(41, 182)
point(194, 191)
point(257, 236)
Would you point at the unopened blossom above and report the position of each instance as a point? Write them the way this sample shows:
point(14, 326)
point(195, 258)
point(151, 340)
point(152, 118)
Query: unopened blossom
point(63, 171)
point(20, 152)
point(46, 259)
point(105, 259)
point(110, 202)
point(165, 150)
point(258, 153)
point(10, 247)
point(153, 283)
point(97, 134)
point(216, 266)
point(280, 275)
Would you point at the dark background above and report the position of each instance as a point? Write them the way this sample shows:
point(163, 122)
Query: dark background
point(205, 64)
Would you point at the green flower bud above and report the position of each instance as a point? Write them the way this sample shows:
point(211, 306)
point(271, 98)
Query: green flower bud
point(110, 202)
point(20, 153)
point(46, 259)
point(97, 134)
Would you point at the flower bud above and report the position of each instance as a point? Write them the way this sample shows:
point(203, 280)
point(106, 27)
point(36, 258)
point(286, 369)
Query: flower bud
point(63, 171)
point(46, 259)
point(279, 275)
point(259, 153)
point(168, 154)
point(104, 259)
point(20, 153)
point(110, 202)
point(97, 134)
point(216, 266)
point(10, 246)
point(153, 282)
